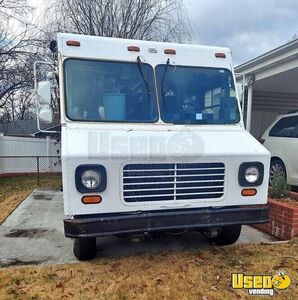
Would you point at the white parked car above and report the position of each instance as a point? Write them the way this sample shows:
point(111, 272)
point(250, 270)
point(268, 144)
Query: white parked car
point(281, 139)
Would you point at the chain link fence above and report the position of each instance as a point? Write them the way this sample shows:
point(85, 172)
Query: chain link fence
point(30, 166)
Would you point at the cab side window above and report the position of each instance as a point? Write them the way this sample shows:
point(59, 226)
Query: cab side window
point(285, 127)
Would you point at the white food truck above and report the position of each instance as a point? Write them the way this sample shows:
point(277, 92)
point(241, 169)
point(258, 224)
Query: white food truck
point(152, 140)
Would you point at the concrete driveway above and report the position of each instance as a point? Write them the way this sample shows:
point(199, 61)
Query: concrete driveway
point(33, 234)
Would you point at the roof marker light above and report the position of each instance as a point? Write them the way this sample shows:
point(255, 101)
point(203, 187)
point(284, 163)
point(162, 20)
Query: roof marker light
point(220, 55)
point(170, 51)
point(73, 43)
point(133, 48)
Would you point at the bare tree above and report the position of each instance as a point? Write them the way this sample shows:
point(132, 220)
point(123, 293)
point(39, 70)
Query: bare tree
point(18, 49)
point(161, 20)
point(21, 109)
point(13, 8)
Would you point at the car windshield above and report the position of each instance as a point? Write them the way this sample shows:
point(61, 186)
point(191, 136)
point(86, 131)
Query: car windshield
point(196, 95)
point(110, 91)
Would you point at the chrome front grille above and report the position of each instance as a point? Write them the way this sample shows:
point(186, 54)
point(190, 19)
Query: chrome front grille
point(170, 182)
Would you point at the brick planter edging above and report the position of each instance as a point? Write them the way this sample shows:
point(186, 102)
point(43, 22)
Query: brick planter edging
point(283, 222)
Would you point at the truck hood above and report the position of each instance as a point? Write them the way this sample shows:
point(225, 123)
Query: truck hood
point(154, 141)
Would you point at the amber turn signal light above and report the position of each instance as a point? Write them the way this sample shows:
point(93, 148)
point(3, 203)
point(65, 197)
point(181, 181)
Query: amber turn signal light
point(91, 199)
point(248, 192)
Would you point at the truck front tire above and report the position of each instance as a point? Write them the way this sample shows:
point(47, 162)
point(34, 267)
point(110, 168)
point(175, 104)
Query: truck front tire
point(84, 248)
point(228, 235)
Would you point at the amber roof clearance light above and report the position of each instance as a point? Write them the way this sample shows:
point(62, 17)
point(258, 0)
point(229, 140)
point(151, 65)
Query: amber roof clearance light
point(170, 51)
point(220, 55)
point(73, 43)
point(133, 48)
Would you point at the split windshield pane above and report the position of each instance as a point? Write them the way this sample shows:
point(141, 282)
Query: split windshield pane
point(194, 95)
point(109, 91)
point(125, 92)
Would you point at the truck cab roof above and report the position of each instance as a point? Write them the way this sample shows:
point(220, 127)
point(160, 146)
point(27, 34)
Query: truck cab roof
point(106, 48)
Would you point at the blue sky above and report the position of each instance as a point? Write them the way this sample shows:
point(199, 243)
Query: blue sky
point(248, 27)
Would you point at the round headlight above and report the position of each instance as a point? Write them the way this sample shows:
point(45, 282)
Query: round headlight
point(91, 179)
point(252, 174)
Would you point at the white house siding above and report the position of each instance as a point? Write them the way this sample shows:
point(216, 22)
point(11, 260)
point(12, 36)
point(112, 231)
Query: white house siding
point(260, 121)
point(267, 106)
point(273, 79)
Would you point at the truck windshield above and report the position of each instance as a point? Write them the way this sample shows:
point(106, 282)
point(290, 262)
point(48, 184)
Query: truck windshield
point(110, 91)
point(196, 95)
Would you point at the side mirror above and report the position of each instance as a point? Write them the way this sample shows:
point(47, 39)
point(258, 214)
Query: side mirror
point(45, 115)
point(44, 92)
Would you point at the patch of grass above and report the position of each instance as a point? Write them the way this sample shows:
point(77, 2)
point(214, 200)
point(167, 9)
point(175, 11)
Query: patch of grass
point(13, 190)
point(51, 276)
point(17, 280)
point(174, 275)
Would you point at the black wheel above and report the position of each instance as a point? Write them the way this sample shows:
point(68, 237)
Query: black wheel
point(228, 235)
point(84, 248)
point(277, 167)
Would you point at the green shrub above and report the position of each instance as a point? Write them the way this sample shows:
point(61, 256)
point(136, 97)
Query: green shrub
point(280, 188)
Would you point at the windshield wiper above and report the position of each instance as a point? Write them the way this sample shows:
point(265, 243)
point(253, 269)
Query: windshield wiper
point(164, 78)
point(140, 65)
point(163, 92)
